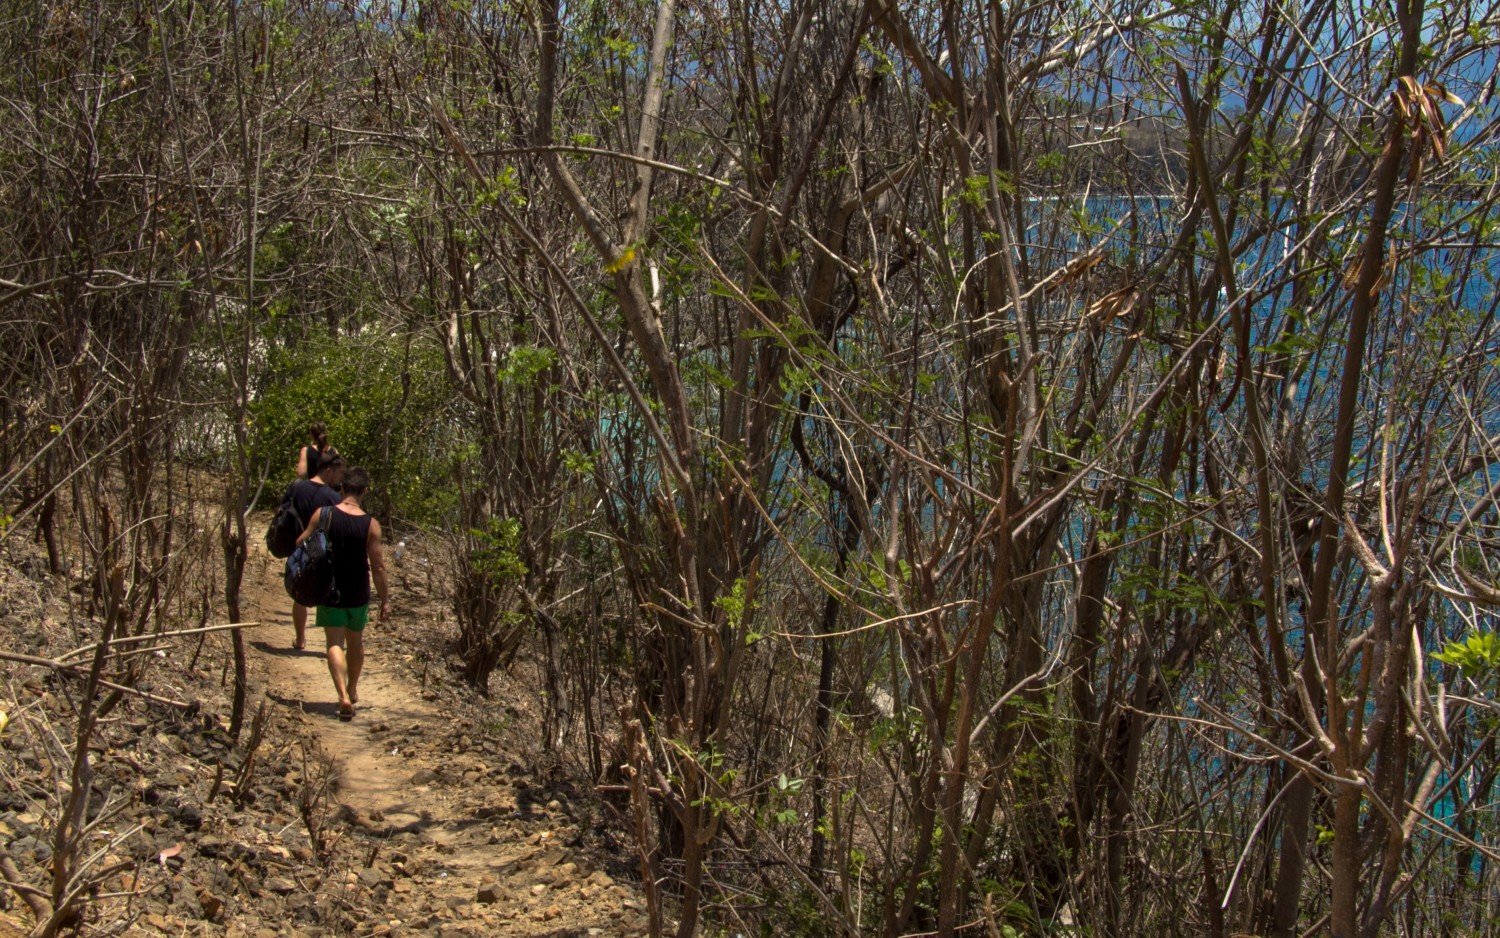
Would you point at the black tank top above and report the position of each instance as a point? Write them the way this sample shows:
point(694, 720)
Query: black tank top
point(309, 496)
point(313, 457)
point(349, 535)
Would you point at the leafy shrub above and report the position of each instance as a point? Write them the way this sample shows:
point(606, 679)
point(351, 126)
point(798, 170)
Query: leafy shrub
point(386, 406)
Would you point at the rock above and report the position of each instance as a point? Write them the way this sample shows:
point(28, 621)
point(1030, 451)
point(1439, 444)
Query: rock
point(20, 824)
point(538, 889)
point(424, 777)
point(281, 886)
point(488, 894)
point(40, 846)
point(211, 904)
point(189, 815)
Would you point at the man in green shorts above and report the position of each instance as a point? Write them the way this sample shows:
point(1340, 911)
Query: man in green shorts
point(355, 540)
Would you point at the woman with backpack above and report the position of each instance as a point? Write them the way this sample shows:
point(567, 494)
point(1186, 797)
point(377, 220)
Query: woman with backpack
point(306, 496)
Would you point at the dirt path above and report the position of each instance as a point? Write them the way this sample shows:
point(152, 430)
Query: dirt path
point(449, 832)
point(372, 779)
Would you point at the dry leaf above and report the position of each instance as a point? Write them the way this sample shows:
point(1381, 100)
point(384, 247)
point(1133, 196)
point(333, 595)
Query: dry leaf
point(1074, 269)
point(1351, 273)
point(1400, 104)
point(168, 854)
point(1430, 115)
point(1439, 90)
point(1114, 305)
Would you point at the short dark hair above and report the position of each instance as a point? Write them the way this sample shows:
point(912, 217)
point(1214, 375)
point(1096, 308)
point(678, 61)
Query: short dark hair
point(356, 481)
point(329, 461)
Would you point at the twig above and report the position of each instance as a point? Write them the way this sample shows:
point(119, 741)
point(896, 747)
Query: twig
point(33, 897)
point(76, 670)
point(130, 639)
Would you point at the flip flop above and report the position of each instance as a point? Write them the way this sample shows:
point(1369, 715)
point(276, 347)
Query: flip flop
point(346, 715)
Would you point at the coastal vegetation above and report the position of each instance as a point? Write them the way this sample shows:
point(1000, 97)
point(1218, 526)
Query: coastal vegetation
point(1003, 469)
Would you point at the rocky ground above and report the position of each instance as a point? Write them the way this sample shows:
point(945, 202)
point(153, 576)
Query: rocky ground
point(428, 814)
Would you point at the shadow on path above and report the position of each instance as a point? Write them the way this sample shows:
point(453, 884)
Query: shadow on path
point(287, 651)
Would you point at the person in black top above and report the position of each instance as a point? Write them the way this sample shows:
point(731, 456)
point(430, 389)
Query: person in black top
point(354, 537)
point(311, 456)
point(308, 495)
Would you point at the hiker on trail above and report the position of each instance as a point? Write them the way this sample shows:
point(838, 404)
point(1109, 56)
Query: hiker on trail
point(308, 496)
point(318, 449)
point(354, 538)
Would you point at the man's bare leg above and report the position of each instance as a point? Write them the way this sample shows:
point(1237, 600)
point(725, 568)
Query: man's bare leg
point(299, 622)
point(338, 667)
point(356, 662)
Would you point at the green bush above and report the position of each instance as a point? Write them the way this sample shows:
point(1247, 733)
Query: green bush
point(386, 407)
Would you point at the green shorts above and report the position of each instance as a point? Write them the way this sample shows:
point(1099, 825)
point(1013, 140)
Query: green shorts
point(355, 620)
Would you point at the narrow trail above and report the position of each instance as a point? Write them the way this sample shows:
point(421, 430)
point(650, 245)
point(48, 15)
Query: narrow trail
point(372, 779)
point(450, 832)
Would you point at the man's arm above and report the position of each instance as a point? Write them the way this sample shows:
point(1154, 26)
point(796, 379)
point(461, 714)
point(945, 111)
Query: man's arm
point(377, 567)
point(312, 524)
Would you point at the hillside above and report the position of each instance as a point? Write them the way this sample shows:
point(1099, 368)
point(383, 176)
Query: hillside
point(426, 814)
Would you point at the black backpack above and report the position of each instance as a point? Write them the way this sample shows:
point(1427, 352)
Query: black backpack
point(309, 570)
point(286, 527)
